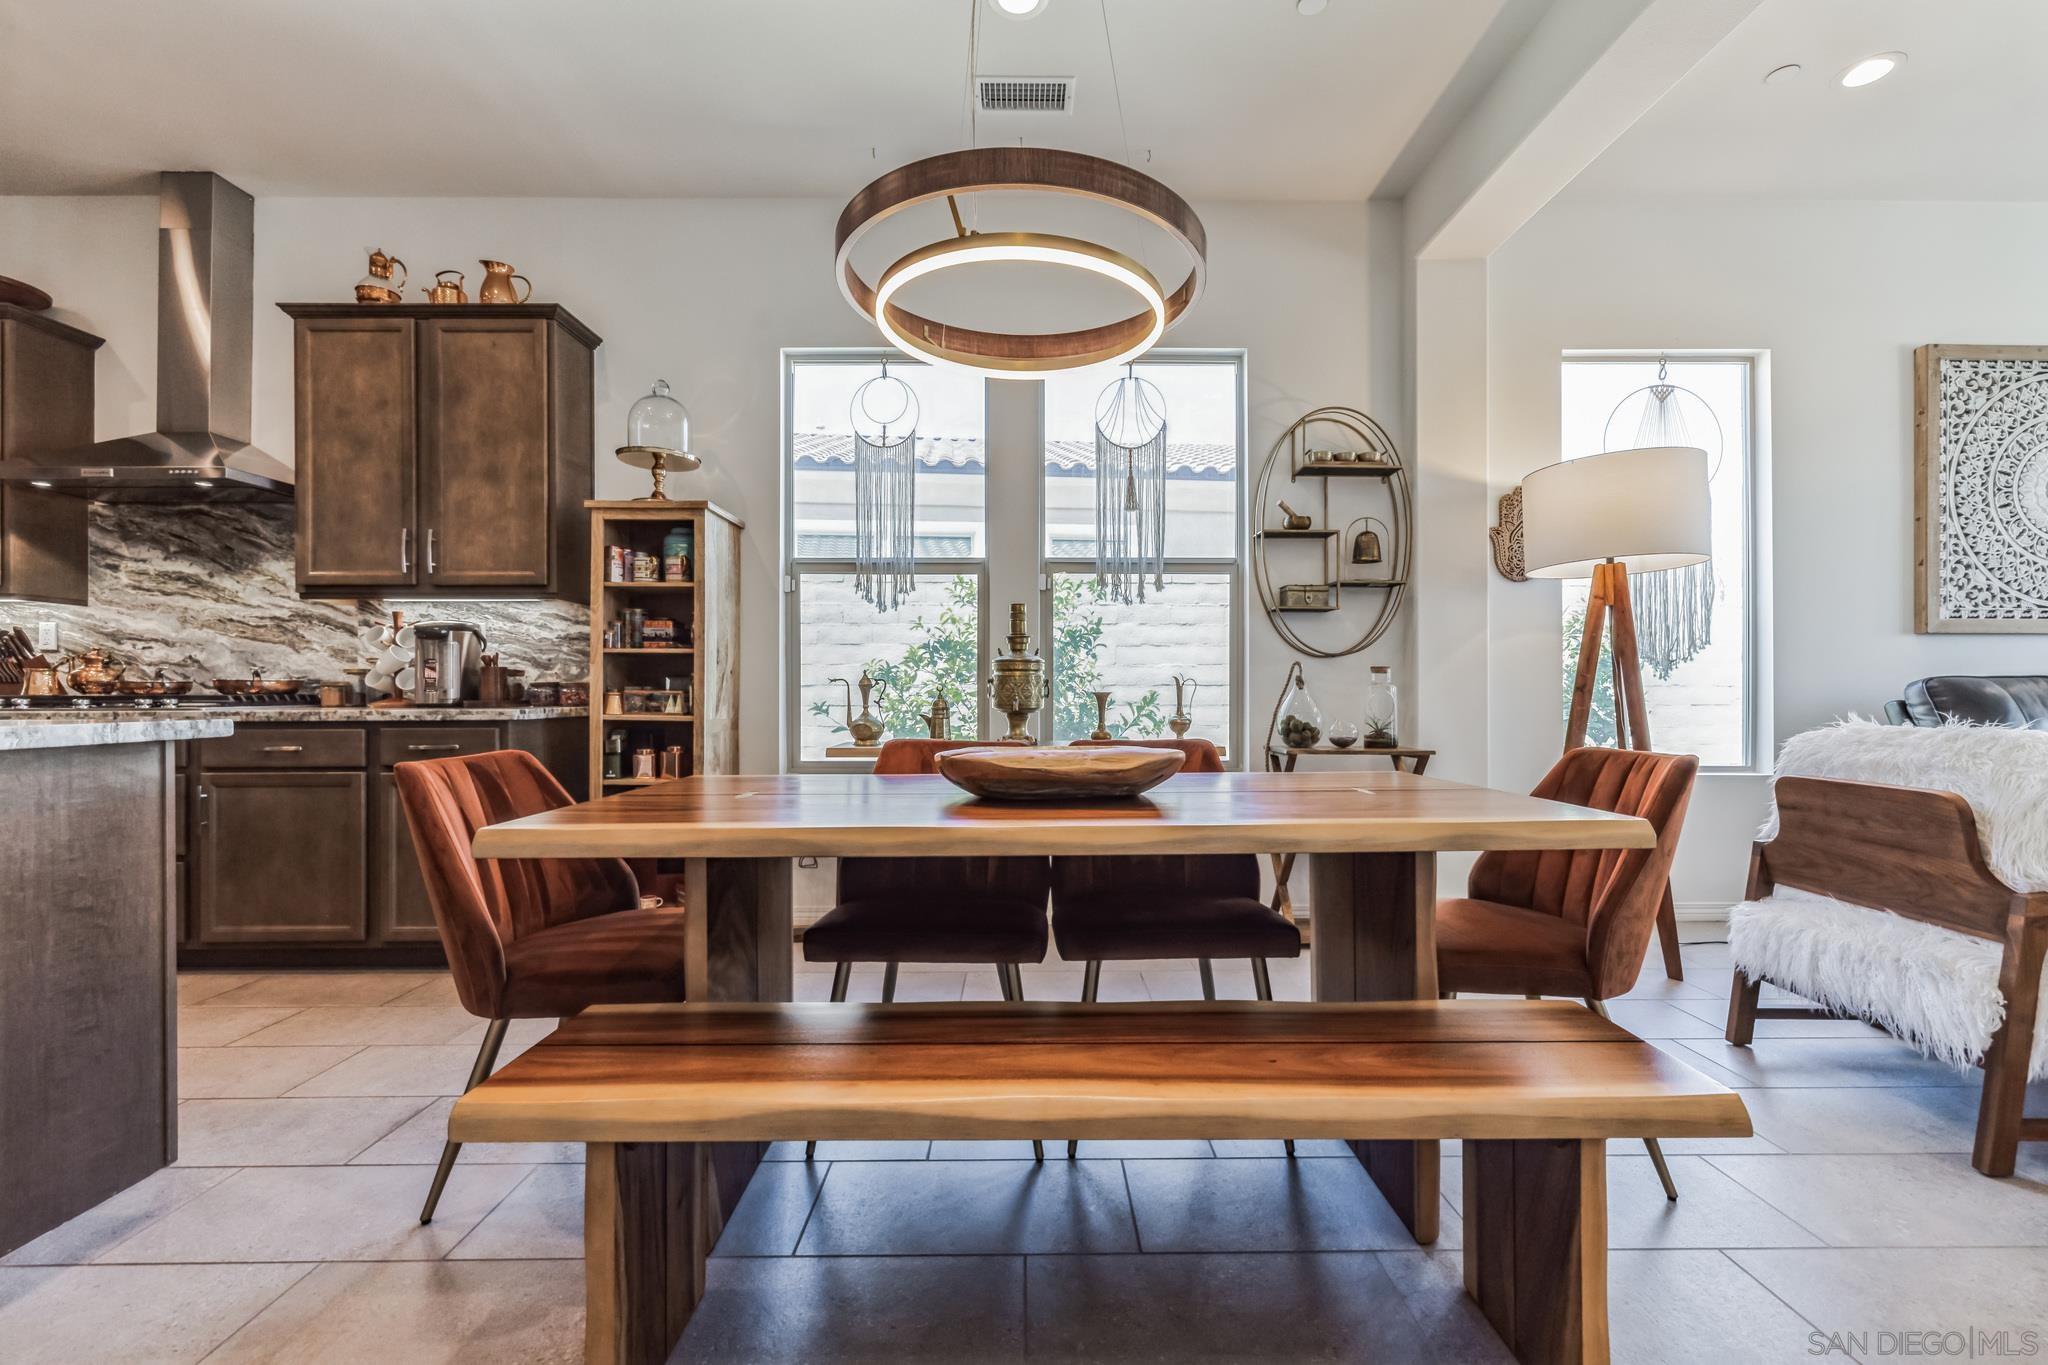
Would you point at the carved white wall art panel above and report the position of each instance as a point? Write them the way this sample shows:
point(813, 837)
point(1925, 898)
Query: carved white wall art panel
point(1981, 450)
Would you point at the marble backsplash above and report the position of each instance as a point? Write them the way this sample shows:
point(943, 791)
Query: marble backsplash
point(207, 591)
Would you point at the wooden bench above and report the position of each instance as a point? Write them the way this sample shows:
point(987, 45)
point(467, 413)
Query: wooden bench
point(675, 1103)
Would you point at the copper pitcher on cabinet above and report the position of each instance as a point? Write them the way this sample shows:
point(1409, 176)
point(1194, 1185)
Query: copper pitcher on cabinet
point(376, 287)
point(497, 285)
point(443, 291)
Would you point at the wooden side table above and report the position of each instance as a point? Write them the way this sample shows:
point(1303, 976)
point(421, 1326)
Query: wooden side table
point(1283, 863)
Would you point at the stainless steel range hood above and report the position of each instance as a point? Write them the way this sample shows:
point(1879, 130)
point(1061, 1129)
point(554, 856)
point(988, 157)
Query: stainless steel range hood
point(205, 300)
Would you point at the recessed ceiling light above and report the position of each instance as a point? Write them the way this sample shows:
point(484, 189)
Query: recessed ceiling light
point(39, 483)
point(1872, 69)
point(1019, 9)
point(1779, 75)
point(202, 483)
point(1310, 6)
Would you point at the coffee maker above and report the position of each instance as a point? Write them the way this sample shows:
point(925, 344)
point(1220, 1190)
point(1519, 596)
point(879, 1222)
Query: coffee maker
point(447, 663)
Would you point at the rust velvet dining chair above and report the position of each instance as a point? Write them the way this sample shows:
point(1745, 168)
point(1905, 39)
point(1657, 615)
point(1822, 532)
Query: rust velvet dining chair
point(984, 911)
point(1573, 922)
point(1204, 906)
point(528, 938)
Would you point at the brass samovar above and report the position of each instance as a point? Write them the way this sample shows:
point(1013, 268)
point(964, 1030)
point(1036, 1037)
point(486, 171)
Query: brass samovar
point(1017, 687)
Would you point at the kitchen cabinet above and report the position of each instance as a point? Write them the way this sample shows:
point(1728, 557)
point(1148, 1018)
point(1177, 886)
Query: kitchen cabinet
point(281, 857)
point(356, 467)
point(300, 853)
point(442, 449)
point(46, 398)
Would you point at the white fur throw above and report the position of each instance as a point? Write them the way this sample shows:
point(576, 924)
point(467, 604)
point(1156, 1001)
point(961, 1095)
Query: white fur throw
point(1934, 988)
point(2002, 773)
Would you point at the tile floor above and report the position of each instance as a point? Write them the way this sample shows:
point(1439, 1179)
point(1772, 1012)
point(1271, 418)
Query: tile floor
point(314, 1106)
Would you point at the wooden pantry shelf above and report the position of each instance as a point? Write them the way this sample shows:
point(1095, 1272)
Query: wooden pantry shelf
point(650, 649)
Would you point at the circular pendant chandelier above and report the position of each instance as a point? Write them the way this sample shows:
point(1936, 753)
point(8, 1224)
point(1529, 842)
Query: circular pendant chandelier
point(1019, 168)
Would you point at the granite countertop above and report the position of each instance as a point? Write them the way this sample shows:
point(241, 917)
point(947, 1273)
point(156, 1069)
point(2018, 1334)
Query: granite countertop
point(452, 715)
point(77, 729)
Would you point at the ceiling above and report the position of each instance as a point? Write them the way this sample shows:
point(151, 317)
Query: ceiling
point(1958, 121)
point(1223, 99)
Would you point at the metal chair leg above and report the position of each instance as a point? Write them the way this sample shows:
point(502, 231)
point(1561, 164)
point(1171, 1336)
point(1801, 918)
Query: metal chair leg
point(888, 983)
point(842, 976)
point(1656, 1148)
point(1003, 980)
point(1016, 981)
point(1091, 982)
point(486, 1059)
point(1208, 979)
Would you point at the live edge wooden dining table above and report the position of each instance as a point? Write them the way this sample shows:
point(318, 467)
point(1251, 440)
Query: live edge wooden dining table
point(1371, 839)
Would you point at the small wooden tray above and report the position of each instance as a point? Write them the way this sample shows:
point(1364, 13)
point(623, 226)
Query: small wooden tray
point(1015, 773)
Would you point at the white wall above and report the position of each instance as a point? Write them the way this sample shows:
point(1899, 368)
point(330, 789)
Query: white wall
point(1839, 294)
point(704, 293)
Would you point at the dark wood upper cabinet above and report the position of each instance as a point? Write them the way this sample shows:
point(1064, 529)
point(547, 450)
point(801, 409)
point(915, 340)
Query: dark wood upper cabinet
point(355, 461)
point(458, 444)
point(484, 428)
point(46, 397)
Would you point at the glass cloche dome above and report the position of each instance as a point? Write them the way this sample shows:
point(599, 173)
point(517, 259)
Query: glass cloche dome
point(658, 437)
point(659, 422)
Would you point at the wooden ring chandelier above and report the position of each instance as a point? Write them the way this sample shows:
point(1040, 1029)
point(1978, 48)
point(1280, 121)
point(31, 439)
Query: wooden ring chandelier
point(1019, 168)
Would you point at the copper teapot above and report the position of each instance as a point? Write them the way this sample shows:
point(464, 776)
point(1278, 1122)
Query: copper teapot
point(91, 674)
point(376, 287)
point(497, 285)
point(444, 292)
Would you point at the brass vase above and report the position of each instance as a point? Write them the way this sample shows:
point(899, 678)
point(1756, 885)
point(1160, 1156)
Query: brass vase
point(1017, 687)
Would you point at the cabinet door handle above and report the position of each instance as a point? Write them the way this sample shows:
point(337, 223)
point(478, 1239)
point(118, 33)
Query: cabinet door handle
point(284, 748)
point(204, 795)
point(405, 549)
point(430, 550)
point(432, 748)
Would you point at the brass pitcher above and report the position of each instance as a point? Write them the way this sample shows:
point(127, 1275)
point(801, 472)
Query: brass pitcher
point(866, 728)
point(1180, 722)
point(443, 291)
point(497, 285)
point(41, 680)
point(376, 287)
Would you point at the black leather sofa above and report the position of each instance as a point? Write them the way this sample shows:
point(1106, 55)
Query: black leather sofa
point(2019, 701)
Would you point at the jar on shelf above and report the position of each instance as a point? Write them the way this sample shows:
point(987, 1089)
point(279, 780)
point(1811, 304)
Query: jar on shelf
point(676, 549)
point(1382, 708)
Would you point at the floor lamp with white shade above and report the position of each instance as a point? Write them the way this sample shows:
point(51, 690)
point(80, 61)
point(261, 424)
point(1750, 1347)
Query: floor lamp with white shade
point(1603, 517)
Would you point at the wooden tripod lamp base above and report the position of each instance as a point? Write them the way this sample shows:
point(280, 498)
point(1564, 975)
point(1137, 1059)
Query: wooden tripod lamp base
point(1578, 517)
point(1608, 609)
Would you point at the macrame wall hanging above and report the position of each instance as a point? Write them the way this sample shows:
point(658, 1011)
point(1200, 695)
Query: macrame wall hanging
point(1130, 487)
point(1674, 608)
point(884, 413)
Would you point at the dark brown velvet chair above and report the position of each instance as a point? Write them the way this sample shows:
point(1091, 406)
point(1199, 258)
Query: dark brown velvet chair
point(1202, 906)
point(1572, 921)
point(953, 910)
point(528, 938)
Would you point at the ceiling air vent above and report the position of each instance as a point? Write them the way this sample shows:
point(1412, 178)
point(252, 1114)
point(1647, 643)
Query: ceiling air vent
point(1025, 94)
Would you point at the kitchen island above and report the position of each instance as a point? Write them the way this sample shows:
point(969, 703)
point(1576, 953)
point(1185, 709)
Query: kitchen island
point(88, 985)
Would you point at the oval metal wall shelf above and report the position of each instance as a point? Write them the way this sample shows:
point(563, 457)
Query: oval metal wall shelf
point(1380, 461)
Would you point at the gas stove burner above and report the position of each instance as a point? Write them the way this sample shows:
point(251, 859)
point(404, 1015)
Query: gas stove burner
point(193, 702)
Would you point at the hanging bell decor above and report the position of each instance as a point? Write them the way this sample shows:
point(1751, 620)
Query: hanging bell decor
point(1674, 608)
point(1366, 546)
point(884, 413)
point(1130, 488)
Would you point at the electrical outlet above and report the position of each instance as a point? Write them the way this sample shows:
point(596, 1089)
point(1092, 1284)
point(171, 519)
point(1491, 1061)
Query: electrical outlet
point(46, 637)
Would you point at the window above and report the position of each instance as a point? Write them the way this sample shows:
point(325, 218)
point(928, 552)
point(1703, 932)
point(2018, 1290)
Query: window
point(934, 638)
point(943, 634)
point(1188, 627)
point(1703, 704)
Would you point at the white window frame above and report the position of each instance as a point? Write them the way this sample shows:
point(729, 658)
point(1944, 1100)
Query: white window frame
point(988, 573)
point(796, 569)
point(1756, 709)
point(1234, 565)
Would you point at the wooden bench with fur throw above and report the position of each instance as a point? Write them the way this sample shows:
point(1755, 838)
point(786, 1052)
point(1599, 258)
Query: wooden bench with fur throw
point(1904, 881)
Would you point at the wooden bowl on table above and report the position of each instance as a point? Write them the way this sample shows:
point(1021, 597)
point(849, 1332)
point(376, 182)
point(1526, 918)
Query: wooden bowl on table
point(1005, 772)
